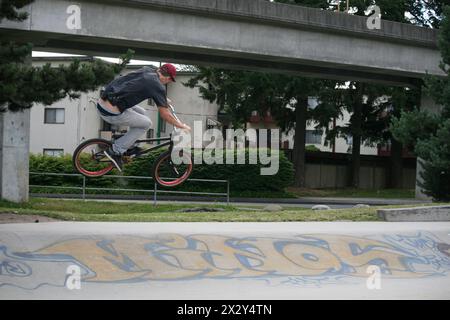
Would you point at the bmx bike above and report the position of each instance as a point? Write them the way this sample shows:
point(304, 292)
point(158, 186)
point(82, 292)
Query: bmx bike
point(89, 159)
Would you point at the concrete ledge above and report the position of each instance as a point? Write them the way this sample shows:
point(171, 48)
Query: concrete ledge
point(434, 213)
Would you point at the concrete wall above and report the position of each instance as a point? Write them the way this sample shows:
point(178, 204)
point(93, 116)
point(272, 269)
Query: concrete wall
point(336, 176)
point(189, 105)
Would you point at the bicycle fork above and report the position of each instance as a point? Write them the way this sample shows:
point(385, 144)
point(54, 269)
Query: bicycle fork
point(171, 164)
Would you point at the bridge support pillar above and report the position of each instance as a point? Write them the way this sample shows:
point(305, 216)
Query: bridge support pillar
point(14, 155)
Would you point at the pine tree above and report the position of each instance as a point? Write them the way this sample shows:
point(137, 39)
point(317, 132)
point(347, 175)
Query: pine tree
point(22, 85)
point(429, 134)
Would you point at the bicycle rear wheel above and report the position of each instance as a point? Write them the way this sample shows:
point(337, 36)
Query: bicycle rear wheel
point(168, 174)
point(89, 159)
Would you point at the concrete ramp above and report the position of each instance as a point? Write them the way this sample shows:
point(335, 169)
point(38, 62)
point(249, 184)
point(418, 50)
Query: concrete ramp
point(339, 260)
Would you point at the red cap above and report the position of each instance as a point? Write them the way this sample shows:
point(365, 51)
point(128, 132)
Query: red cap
point(170, 69)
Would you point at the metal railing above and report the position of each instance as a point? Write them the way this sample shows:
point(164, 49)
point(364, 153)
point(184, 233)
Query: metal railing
point(155, 190)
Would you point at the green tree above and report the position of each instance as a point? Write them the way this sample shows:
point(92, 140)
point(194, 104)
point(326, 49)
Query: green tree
point(286, 97)
point(429, 134)
point(426, 13)
point(371, 106)
point(22, 85)
point(239, 93)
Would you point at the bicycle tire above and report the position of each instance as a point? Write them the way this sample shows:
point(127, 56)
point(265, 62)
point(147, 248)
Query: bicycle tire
point(170, 182)
point(83, 168)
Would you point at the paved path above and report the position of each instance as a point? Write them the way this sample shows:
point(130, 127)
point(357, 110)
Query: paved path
point(333, 203)
point(247, 204)
point(225, 260)
point(262, 201)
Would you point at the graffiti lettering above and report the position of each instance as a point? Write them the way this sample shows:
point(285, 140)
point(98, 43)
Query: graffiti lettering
point(178, 257)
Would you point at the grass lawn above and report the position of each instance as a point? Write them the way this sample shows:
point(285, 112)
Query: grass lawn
point(77, 210)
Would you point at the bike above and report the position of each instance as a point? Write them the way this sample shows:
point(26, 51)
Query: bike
point(89, 159)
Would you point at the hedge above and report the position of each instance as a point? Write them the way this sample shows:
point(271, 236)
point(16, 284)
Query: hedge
point(63, 164)
point(242, 177)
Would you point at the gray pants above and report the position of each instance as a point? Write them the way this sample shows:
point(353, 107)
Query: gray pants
point(138, 122)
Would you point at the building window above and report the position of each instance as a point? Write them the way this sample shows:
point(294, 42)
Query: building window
point(313, 137)
point(54, 152)
point(150, 134)
point(54, 115)
point(106, 126)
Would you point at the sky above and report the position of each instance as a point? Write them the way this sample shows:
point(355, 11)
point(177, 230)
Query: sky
point(114, 60)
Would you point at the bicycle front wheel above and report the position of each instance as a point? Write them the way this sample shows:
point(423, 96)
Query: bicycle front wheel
point(169, 174)
point(89, 158)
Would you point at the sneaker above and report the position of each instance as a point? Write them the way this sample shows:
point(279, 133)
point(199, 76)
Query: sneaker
point(115, 158)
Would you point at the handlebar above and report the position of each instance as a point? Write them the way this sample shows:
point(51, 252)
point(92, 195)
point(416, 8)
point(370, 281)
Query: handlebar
point(172, 110)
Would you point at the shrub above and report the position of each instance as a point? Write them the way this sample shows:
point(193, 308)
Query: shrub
point(435, 182)
point(63, 164)
point(242, 177)
point(312, 148)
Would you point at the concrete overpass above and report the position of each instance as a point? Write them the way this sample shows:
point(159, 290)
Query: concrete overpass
point(256, 35)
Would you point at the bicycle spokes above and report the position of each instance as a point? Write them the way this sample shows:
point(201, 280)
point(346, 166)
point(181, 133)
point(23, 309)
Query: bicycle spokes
point(173, 167)
point(90, 159)
point(170, 174)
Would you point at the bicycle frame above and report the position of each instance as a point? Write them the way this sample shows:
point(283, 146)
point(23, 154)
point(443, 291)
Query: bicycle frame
point(97, 156)
point(159, 145)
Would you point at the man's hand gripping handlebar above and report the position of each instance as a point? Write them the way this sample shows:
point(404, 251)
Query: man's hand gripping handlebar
point(185, 126)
